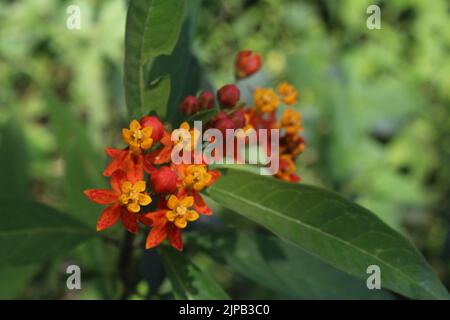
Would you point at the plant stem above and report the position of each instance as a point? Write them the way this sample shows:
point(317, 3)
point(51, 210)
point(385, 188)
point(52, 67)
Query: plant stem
point(125, 265)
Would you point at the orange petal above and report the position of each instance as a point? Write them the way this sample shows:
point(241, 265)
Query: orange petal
point(214, 176)
point(109, 217)
point(135, 168)
point(155, 218)
point(114, 153)
point(117, 179)
point(117, 163)
point(129, 220)
point(102, 196)
point(174, 237)
point(155, 237)
point(200, 206)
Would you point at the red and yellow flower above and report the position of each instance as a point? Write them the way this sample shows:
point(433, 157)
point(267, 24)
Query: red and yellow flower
point(169, 221)
point(124, 201)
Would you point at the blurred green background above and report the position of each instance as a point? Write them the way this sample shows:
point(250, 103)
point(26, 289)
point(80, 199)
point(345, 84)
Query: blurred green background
point(375, 104)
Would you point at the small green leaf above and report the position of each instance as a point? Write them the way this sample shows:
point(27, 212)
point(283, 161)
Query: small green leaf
point(152, 30)
point(323, 223)
point(33, 232)
point(188, 281)
point(282, 267)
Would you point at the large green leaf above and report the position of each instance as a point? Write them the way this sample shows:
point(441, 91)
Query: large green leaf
point(189, 281)
point(282, 267)
point(323, 223)
point(152, 30)
point(33, 232)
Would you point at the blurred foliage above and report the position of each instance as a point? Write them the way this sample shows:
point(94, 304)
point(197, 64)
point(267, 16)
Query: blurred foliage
point(376, 108)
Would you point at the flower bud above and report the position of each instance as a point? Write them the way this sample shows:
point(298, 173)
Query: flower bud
point(206, 100)
point(164, 181)
point(155, 124)
point(228, 95)
point(238, 119)
point(189, 105)
point(223, 124)
point(247, 63)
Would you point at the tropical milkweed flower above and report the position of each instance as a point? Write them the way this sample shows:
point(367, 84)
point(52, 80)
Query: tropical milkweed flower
point(287, 92)
point(124, 200)
point(193, 179)
point(169, 221)
point(266, 100)
point(137, 138)
point(291, 121)
point(287, 169)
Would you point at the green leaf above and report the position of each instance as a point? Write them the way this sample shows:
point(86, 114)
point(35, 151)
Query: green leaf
point(342, 233)
point(152, 30)
point(14, 160)
point(282, 267)
point(204, 116)
point(14, 280)
point(181, 65)
point(33, 232)
point(83, 165)
point(189, 282)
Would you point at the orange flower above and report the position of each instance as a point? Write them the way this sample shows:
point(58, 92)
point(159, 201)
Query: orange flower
point(287, 169)
point(287, 92)
point(194, 178)
point(137, 138)
point(169, 221)
point(291, 121)
point(124, 200)
point(266, 100)
point(292, 145)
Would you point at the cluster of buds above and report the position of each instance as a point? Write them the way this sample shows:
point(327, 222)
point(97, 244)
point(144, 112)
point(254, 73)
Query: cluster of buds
point(192, 104)
point(148, 188)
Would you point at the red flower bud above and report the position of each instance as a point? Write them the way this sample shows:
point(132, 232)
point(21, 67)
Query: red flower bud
point(164, 181)
point(238, 119)
point(247, 63)
point(228, 95)
point(157, 127)
point(223, 124)
point(189, 105)
point(206, 100)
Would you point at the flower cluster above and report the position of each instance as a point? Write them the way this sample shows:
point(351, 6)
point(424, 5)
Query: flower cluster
point(149, 187)
point(143, 174)
point(263, 115)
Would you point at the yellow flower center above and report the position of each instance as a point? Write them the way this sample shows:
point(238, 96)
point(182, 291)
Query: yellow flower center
point(134, 196)
point(180, 213)
point(197, 177)
point(137, 138)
